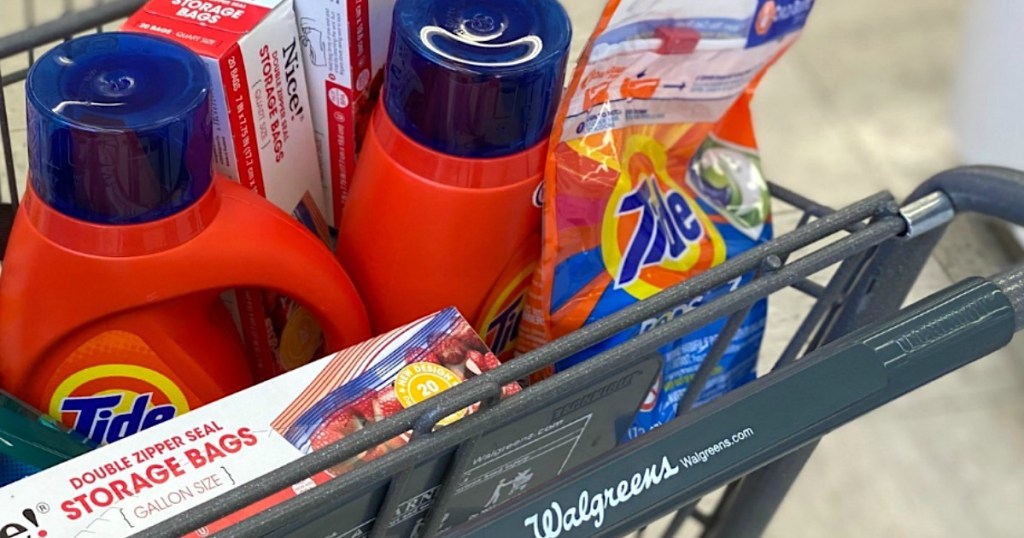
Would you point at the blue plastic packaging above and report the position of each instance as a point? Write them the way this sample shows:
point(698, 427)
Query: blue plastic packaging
point(477, 78)
point(115, 138)
point(31, 441)
point(12, 470)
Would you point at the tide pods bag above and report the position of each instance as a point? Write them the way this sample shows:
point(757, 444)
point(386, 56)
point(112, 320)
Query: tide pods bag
point(654, 177)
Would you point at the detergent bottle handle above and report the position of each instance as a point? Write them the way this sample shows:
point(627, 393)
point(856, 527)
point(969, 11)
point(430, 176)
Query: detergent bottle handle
point(287, 259)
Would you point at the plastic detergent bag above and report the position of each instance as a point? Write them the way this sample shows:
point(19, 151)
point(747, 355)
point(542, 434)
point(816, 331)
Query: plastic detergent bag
point(654, 177)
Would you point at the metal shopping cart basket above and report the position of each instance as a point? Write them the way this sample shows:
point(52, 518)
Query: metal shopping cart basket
point(854, 351)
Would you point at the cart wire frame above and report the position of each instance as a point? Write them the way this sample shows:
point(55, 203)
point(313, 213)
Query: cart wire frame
point(839, 364)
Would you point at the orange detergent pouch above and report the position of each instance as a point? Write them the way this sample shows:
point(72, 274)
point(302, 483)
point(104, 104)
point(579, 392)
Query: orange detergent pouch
point(110, 311)
point(654, 177)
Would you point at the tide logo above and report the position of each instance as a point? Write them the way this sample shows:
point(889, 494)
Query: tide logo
point(498, 322)
point(499, 326)
point(502, 332)
point(653, 235)
point(109, 402)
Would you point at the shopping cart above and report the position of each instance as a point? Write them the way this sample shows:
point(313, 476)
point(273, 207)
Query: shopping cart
point(854, 351)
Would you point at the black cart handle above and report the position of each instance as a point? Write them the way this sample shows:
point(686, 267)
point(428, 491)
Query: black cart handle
point(987, 190)
point(771, 417)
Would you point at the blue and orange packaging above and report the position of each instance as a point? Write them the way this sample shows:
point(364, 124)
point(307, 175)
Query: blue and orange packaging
point(654, 177)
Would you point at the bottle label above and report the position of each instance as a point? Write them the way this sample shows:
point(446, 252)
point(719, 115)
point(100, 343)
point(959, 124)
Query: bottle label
point(115, 395)
point(502, 312)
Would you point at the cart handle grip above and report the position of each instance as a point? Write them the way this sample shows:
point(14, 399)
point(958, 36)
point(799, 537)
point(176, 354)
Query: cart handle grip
point(988, 190)
point(1011, 283)
point(992, 191)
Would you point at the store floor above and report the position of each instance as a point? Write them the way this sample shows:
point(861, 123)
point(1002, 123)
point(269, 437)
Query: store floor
point(862, 104)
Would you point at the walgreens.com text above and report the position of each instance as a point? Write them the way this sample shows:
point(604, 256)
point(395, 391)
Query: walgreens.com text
point(591, 507)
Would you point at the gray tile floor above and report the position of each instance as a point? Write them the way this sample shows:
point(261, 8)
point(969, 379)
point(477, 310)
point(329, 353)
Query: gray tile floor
point(861, 104)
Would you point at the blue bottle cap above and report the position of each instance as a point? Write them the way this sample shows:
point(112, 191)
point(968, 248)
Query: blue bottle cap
point(119, 128)
point(477, 78)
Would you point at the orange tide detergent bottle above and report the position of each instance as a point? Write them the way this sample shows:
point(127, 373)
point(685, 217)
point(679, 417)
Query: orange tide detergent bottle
point(110, 310)
point(444, 204)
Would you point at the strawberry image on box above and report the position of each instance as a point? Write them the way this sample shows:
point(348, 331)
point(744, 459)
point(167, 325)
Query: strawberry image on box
point(446, 352)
